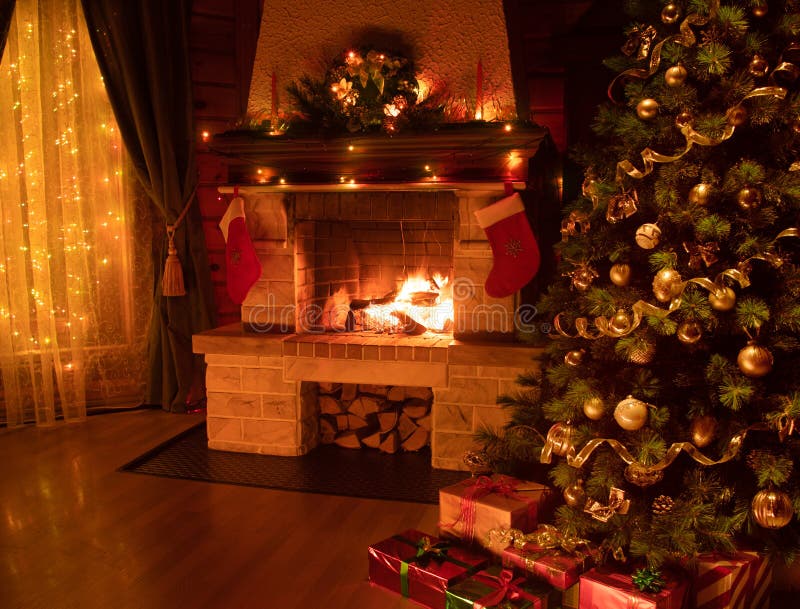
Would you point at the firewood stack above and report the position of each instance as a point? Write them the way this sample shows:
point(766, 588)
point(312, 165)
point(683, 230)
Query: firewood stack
point(389, 418)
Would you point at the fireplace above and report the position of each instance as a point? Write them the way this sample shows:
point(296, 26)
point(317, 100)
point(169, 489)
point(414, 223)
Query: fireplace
point(332, 249)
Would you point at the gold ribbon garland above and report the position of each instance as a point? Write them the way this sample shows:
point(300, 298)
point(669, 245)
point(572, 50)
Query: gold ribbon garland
point(650, 156)
point(640, 309)
point(546, 536)
point(784, 426)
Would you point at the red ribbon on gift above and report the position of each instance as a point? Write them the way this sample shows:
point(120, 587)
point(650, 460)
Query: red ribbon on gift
point(507, 588)
point(480, 487)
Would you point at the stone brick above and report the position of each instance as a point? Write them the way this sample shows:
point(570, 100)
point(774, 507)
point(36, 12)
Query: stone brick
point(281, 407)
point(242, 405)
point(450, 417)
point(447, 445)
point(405, 354)
point(277, 267)
point(305, 349)
point(223, 378)
point(469, 391)
point(225, 430)
point(213, 359)
point(354, 351)
point(461, 370)
point(270, 362)
point(499, 372)
point(417, 374)
point(338, 351)
point(281, 292)
point(493, 418)
point(322, 350)
point(371, 352)
point(388, 353)
point(438, 355)
point(270, 433)
point(265, 380)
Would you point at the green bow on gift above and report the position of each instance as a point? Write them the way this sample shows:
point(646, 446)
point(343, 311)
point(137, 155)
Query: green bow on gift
point(427, 551)
point(648, 580)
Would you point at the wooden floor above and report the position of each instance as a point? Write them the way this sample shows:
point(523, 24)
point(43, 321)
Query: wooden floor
point(76, 533)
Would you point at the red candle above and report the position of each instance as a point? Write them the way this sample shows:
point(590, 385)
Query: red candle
point(274, 108)
point(479, 93)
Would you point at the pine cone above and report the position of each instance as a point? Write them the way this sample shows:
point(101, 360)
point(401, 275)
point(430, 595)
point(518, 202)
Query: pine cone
point(663, 504)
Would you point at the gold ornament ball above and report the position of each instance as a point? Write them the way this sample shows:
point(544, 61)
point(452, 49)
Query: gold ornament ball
point(642, 476)
point(582, 279)
point(772, 509)
point(594, 408)
point(631, 414)
point(703, 430)
point(620, 323)
point(737, 116)
point(796, 126)
point(689, 332)
point(574, 358)
point(648, 236)
point(643, 354)
point(760, 10)
point(575, 495)
point(758, 66)
point(666, 284)
point(683, 119)
point(670, 14)
point(675, 76)
point(749, 198)
point(754, 360)
point(723, 299)
point(620, 274)
point(647, 109)
point(700, 194)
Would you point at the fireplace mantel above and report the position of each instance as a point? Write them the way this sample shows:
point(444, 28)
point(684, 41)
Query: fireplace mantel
point(488, 152)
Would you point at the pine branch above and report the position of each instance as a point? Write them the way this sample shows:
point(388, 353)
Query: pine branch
point(752, 312)
point(712, 228)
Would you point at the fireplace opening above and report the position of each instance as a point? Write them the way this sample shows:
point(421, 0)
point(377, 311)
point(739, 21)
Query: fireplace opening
point(384, 277)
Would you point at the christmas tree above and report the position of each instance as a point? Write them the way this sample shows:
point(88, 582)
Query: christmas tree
point(665, 406)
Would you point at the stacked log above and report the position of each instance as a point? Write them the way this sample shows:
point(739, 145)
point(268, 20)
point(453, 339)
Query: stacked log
point(385, 417)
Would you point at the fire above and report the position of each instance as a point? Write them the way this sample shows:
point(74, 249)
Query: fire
point(421, 303)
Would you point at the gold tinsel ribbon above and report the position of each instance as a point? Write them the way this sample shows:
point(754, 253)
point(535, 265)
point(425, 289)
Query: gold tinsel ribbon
point(641, 309)
point(650, 156)
point(546, 536)
point(731, 450)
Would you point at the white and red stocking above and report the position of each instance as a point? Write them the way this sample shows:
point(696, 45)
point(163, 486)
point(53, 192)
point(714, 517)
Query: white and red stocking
point(241, 262)
point(514, 248)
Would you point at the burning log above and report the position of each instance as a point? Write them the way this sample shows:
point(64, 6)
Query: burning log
point(408, 325)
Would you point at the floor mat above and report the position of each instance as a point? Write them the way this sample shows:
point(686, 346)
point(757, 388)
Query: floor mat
point(328, 469)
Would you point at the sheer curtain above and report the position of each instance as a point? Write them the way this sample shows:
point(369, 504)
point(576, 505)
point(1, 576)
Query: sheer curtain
point(74, 239)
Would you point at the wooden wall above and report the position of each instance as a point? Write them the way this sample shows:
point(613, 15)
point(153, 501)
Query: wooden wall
point(222, 45)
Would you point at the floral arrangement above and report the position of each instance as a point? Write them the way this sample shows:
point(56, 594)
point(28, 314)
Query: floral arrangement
point(364, 90)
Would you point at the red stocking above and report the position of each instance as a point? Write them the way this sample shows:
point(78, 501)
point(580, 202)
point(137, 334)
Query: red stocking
point(515, 251)
point(241, 262)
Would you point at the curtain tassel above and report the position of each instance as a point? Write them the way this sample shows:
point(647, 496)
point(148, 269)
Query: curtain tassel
point(172, 283)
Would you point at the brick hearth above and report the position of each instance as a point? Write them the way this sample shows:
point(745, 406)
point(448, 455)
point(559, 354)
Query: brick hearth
point(258, 385)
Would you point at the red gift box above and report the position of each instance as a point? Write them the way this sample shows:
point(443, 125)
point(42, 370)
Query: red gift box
point(394, 564)
point(740, 580)
point(471, 509)
point(557, 568)
point(609, 590)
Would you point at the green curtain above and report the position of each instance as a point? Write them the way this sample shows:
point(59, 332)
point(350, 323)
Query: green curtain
point(6, 10)
point(142, 50)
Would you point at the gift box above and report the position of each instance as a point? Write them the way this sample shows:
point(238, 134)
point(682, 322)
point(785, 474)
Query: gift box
point(495, 587)
point(470, 509)
point(612, 590)
point(740, 580)
point(557, 568)
point(420, 567)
